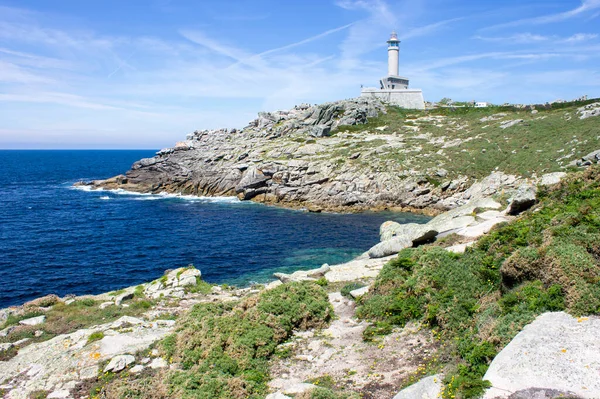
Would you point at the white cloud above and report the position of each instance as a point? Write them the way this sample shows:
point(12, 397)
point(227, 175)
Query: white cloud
point(530, 38)
point(580, 37)
point(584, 7)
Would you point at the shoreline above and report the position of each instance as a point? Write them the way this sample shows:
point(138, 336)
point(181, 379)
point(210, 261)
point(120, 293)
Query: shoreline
point(305, 206)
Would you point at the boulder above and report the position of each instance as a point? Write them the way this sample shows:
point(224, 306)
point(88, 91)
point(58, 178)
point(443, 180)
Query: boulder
point(390, 247)
point(173, 282)
point(253, 178)
point(507, 124)
point(460, 248)
point(426, 388)
point(277, 395)
point(5, 346)
point(119, 363)
point(33, 321)
point(319, 131)
point(123, 297)
point(359, 292)
point(7, 331)
point(480, 229)
point(320, 272)
point(137, 369)
point(556, 351)
point(59, 394)
point(522, 200)
point(183, 277)
point(550, 179)
point(158, 363)
point(298, 388)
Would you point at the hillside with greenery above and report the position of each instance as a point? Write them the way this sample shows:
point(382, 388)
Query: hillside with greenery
point(547, 260)
point(471, 141)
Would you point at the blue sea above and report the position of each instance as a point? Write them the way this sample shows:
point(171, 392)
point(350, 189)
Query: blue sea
point(55, 239)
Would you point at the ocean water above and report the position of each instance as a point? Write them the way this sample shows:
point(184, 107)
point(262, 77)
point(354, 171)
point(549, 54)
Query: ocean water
point(61, 240)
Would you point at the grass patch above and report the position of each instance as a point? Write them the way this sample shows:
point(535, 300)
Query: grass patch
point(547, 260)
point(201, 287)
point(39, 394)
point(64, 319)
point(95, 336)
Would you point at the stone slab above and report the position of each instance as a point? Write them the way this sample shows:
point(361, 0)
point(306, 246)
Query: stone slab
point(556, 351)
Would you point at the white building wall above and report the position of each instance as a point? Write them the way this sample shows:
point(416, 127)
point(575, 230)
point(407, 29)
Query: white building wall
point(406, 98)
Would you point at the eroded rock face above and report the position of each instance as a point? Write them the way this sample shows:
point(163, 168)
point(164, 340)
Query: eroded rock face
point(555, 352)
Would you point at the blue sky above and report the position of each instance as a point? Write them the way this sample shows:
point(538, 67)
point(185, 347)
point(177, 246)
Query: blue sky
point(144, 73)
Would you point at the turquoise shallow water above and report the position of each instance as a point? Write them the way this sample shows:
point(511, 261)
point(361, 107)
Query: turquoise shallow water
point(56, 239)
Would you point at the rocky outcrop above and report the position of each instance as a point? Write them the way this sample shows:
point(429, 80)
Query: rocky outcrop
point(557, 352)
point(587, 160)
point(304, 158)
point(471, 220)
point(173, 283)
point(60, 363)
point(589, 111)
point(57, 365)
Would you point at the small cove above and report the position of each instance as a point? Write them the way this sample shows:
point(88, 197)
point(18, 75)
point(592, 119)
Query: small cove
point(56, 239)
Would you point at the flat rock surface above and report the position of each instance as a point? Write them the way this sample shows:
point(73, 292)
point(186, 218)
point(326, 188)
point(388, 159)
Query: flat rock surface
point(59, 363)
point(359, 268)
point(556, 351)
point(33, 321)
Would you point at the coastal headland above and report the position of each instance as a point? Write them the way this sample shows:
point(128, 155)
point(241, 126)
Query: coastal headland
point(458, 307)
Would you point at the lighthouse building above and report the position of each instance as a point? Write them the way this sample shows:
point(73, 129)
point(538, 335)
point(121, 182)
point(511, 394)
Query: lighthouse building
point(394, 88)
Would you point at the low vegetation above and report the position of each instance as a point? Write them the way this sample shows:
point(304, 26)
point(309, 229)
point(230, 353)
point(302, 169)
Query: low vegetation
point(547, 260)
point(470, 141)
point(65, 318)
point(223, 349)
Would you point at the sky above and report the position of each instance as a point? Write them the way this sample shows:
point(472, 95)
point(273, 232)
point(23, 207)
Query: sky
point(111, 74)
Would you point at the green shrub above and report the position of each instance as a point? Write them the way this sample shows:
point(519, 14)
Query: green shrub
point(322, 282)
point(224, 348)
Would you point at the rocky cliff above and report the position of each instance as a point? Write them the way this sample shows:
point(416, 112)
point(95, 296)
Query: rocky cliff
point(334, 156)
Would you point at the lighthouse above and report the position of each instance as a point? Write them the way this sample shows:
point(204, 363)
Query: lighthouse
point(393, 88)
point(393, 55)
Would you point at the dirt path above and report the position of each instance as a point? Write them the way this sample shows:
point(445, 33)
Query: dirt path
point(338, 356)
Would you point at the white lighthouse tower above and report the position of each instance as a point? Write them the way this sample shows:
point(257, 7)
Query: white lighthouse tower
point(394, 88)
point(393, 55)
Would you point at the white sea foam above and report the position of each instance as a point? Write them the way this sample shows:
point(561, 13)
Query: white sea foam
point(106, 197)
point(149, 196)
point(85, 188)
